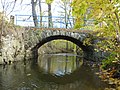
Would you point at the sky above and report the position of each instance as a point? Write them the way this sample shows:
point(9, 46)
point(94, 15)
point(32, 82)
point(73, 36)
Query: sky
point(25, 8)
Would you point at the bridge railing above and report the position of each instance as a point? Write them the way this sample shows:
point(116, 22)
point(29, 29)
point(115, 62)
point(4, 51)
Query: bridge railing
point(57, 21)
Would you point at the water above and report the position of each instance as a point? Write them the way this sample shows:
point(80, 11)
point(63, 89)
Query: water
point(53, 72)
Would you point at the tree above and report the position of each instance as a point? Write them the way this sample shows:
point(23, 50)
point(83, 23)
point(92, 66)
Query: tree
point(66, 11)
point(65, 5)
point(49, 13)
point(106, 14)
point(40, 13)
point(34, 3)
point(7, 8)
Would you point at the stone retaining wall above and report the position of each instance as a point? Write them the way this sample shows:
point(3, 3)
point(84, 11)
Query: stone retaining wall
point(12, 46)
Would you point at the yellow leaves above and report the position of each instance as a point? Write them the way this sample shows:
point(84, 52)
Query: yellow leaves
point(101, 10)
point(98, 14)
point(87, 41)
point(49, 1)
point(76, 2)
point(79, 10)
point(79, 7)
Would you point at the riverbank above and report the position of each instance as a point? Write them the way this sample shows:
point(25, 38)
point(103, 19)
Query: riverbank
point(113, 82)
point(110, 75)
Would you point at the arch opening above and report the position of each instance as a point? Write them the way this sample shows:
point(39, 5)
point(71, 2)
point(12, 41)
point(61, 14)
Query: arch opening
point(85, 49)
point(73, 40)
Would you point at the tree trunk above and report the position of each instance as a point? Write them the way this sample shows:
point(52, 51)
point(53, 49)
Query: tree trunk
point(34, 12)
point(40, 13)
point(66, 21)
point(49, 16)
point(1, 31)
point(117, 30)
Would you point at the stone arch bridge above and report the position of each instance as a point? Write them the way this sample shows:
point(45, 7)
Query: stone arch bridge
point(34, 38)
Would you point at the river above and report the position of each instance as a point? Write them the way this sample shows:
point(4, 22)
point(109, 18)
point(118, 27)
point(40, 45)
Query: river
point(52, 72)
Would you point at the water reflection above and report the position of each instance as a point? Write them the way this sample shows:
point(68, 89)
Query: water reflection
point(59, 64)
point(53, 72)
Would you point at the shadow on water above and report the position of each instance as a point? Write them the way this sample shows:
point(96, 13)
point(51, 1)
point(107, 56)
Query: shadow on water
point(52, 72)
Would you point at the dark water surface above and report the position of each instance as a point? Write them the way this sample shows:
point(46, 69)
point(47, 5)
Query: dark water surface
point(53, 72)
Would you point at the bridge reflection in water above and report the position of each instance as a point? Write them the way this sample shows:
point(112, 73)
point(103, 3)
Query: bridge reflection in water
point(59, 64)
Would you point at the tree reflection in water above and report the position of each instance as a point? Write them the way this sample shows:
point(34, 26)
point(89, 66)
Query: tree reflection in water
point(58, 64)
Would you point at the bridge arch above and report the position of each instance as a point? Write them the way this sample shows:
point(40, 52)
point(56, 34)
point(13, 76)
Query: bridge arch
point(56, 37)
point(85, 48)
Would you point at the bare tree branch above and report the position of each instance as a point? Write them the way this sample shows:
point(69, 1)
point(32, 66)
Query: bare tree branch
point(12, 7)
